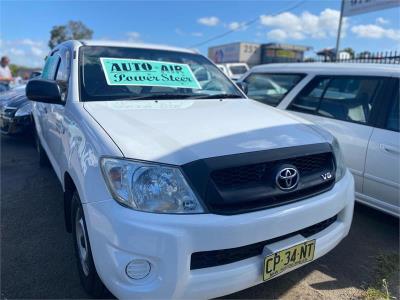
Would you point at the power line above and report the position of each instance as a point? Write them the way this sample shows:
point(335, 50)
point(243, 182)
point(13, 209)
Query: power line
point(218, 36)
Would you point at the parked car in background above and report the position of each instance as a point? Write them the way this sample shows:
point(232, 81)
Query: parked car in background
point(358, 103)
point(35, 74)
point(15, 111)
point(234, 70)
point(176, 187)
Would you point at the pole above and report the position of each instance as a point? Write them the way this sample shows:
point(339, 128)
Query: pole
point(339, 30)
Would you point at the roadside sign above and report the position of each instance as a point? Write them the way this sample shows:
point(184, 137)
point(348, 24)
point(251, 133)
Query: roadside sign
point(356, 7)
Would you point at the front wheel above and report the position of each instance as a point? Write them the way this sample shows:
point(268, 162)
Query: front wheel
point(87, 272)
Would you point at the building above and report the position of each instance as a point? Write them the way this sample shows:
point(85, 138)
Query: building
point(329, 54)
point(255, 54)
point(281, 53)
point(236, 52)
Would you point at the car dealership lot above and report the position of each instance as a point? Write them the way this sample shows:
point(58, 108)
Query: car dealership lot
point(37, 259)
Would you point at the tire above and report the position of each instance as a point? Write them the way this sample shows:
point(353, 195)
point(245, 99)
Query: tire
point(43, 159)
point(90, 280)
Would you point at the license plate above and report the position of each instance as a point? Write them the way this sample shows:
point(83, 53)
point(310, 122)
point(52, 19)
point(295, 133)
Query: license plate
point(280, 261)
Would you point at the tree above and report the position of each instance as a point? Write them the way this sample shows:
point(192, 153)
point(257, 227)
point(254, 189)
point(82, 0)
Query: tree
point(14, 69)
point(350, 51)
point(74, 30)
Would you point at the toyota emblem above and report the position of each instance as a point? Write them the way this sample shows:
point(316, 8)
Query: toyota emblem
point(287, 178)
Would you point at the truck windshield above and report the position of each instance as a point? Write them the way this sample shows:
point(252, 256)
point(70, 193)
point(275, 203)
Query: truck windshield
point(118, 73)
point(238, 70)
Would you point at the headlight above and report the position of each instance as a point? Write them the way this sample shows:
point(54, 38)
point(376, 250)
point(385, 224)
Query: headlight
point(340, 165)
point(149, 187)
point(24, 110)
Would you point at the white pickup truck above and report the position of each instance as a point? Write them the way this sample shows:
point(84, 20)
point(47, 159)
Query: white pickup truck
point(175, 188)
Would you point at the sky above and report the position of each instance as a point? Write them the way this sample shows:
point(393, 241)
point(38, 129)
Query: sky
point(25, 25)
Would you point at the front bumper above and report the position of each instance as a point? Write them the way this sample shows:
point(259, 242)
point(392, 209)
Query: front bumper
point(118, 235)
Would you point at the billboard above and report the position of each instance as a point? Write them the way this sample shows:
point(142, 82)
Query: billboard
point(236, 52)
point(225, 53)
point(355, 7)
point(286, 53)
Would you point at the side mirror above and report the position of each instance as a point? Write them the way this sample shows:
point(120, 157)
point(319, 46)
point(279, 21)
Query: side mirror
point(43, 90)
point(243, 86)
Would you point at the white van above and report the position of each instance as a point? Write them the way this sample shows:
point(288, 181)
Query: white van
point(234, 70)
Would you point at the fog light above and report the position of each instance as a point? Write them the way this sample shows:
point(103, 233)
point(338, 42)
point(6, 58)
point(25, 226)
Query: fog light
point(138, 269)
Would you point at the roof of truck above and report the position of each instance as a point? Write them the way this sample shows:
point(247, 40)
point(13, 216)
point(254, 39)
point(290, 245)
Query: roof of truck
point(107, 43)
point(369, 69)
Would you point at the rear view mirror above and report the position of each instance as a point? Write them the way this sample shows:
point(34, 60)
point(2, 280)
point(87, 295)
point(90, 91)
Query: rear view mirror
point(43, 90)
point(243, 86)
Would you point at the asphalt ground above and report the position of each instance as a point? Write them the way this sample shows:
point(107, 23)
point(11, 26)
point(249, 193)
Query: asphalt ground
point(37, 258)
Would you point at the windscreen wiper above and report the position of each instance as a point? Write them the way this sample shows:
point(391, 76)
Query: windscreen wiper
point(158, 97)
point(181, 96)
point(216, 96)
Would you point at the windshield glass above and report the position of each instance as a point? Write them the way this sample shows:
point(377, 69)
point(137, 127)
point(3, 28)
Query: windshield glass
point(237, 70)
point(271, 88)
point(117, 73)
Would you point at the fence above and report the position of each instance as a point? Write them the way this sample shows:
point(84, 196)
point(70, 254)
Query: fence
point(389, 57)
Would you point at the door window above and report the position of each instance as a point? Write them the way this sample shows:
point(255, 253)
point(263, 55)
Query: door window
point(65, 66)
point(343, 98)
point(50, 67)
point(63, 72)
point(270, 88)
point(393, 120)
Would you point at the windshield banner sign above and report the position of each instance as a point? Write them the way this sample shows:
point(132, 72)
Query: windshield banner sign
point(121, 71)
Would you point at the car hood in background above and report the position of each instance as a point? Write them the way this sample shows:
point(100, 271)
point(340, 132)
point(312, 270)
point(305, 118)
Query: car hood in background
point(13, 98)
point(16, 101)
point(181, 131)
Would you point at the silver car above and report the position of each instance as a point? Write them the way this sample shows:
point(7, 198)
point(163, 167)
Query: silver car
point(358, 103)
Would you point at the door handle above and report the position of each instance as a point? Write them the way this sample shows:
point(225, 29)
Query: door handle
point(389, 148)
point(45, 110)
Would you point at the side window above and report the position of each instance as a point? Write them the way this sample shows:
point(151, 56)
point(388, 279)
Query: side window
point(50, 67)
point(342, 98)
point(64, 67)
point(63, 72)
point(393, 121)
point(270, 88)
point(309, 98)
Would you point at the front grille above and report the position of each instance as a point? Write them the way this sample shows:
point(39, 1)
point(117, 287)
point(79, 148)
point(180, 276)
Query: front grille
point(239, 175)
point(246, 182)
point(269, 201)
point(242, 175)
point(252, 187)
point(207, 259)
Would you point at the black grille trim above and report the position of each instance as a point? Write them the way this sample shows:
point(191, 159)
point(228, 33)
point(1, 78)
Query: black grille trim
point(214, 258)
point(271, 202)
point(245, 182)
point(249, 174)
